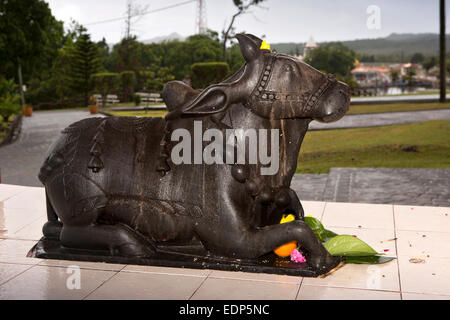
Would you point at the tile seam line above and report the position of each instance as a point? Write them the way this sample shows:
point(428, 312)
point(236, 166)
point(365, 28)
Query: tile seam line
point(323, 211)
point(255, 280)
point(30, 266)
point(165, 273)
point(396, 253)
point(28, 224)
point(17, 239)
point(101, 284)
point(351, 288)
point(409, 230)
point(74, 261)
point(429, 294)
point(299, 287)
point(13, 196)
point(200, 285)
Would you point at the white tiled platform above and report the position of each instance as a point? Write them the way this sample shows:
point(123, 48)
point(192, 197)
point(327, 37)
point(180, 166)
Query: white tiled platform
point(402, 231)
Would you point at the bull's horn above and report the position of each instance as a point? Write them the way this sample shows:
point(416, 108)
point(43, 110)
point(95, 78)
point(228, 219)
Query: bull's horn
point(249, 47)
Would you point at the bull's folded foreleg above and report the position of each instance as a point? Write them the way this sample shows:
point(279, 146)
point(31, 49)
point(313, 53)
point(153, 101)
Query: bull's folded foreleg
point(263, 240)
point(118, 239)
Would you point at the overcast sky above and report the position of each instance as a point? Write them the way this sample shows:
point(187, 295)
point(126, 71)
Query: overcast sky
point(280, 20)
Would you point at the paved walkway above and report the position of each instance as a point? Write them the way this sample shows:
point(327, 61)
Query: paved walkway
point(21, 160)
point(411, 186)
point(405, 98)
point(382, 119)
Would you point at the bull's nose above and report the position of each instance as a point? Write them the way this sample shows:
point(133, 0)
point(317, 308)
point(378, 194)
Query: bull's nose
point(334, 103)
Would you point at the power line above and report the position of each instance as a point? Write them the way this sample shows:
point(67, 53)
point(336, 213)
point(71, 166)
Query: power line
point(142, 14)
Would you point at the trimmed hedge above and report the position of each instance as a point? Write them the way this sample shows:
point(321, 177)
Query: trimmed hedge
point(207, 73)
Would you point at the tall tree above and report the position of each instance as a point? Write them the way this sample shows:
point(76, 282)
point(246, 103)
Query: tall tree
point(29, 38)
point(333, 57)
point(84, 61)
point(125, 55)
point(243, 6)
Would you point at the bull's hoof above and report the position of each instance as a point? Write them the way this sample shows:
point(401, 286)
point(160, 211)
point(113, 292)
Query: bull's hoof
point(132, 250)
point(52, 229)
point(323, 264)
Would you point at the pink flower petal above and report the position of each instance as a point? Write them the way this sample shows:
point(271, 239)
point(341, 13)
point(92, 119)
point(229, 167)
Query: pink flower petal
point(297, 256)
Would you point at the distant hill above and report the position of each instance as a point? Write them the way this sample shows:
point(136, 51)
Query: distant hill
point(405, 44)
point(172, 36)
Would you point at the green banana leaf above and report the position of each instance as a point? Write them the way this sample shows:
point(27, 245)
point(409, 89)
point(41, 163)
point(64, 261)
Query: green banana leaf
point(319, 230)
point(348, 246)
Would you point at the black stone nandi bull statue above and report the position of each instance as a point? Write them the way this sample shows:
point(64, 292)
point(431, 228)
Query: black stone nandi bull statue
point(113, 190)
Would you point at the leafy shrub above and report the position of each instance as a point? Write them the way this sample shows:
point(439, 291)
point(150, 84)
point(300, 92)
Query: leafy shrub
point(9, 105)
point(159, 77)
point(9, 99)
point(207, 73)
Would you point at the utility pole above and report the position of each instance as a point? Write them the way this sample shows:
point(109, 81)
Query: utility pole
point(19, 73)
point(128, 20)
point(442, 53)
point(200, 22)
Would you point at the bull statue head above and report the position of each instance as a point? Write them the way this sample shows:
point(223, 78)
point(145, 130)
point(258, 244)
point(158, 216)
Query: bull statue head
point(272, 85)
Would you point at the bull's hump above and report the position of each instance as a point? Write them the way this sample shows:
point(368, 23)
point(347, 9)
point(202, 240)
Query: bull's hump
point(176, 94)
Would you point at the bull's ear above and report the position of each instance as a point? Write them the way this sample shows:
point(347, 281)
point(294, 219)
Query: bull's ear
point(249, 48)
point(211, 100)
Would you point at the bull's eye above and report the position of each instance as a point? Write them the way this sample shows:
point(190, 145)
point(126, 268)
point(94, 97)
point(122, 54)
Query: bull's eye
point(288, 68)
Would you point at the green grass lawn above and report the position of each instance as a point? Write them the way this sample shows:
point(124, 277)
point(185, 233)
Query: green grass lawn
point(417, 145)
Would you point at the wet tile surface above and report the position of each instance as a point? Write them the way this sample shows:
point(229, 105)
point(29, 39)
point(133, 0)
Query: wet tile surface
point(15, 251)
point(49, 283)
point(412, 232)
point(8, 271)
point(139, 286)
point(361, 276)
point(430, 276)
point(330, 293)
point(358, 215)
point(415, 218)
point(229, 289)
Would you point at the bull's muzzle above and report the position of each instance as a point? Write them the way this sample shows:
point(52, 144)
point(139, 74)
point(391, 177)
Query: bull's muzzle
point(334, 103)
